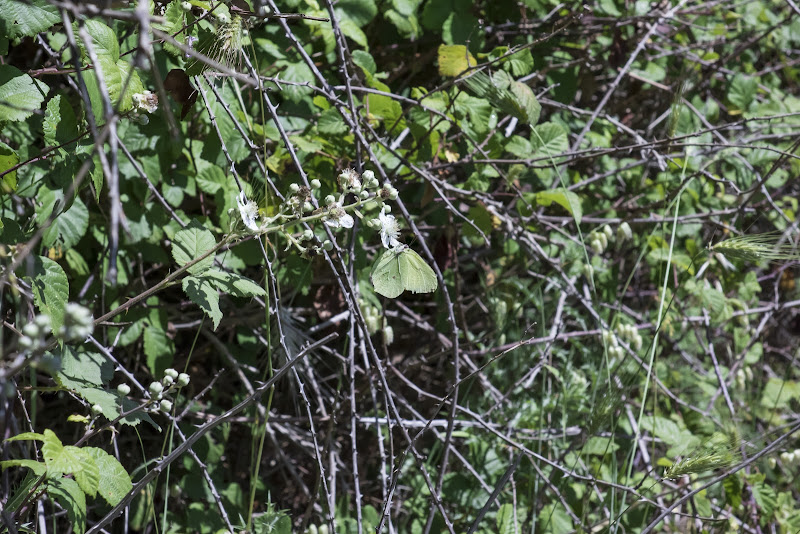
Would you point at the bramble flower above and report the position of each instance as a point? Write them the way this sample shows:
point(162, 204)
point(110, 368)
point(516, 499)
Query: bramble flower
point(146, 101)
point(249, 212)
point(338, 217)
point(348, 179)
point(390, 230)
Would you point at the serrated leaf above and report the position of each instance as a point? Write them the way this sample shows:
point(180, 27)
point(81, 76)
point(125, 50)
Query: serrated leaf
point(331, 123)
point(234, 284)
point(20, 95)
point(69, 495)
point(159, 350)
point(8, 160)
point(38, 468)
point(59, 459)
point(211, 179)
point(191, 243)
point(566, 199)
point(549, 139)
point(60, 123)
point(454, 59)
point(50, 288)
point(116, 482)
point(26, 18)
point(205, 295)
point(104, 40)
point(364, 60)
point(25, 436)
point(69, 227)
point(82, 369)
point(88, 477)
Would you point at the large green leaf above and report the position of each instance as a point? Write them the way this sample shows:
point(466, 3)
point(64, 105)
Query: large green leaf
point(455, 59)
point(115, 482)
point(70, 496)
point(234, 284)
point(566, 199)
point(60, 123)
point(191, 243)
point(25, 18)
point(159, 350)
point(69, 227)
point(8, 160)
point(20, 95)
point(205, 295)
point(50, 288)
point(549, 139)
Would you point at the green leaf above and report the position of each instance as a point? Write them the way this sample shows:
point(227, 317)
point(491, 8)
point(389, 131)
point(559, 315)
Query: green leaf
point(205, 295)
point(211, 178)
point(741, 92)
point(38, 468)
point(69, 227)
point(8, 159)
point(26, 18)
point(58, 458)
point(454, 59)
point(566, 199)
point(69, 495)
point(360, 12)
point(519, 147)
point(20, 95)
point(26, 436)
point(331, 123)
point(159, 350)
point(116, 482)
point(104, 40)
point(50, 289)
point(549, 139)
point(60, 123)
point(234, 284)
point(364, 60)
point(766, 498)
point(191, 243)
point(88, 476)
point(81, 369)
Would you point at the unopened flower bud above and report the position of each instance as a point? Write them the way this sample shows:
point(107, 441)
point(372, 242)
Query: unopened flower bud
point(165, 405)
point(294, 188)
point(315, 184)
point(182, 380)
point(330, 199)
point(123, 389)
point(155, 388)
point(624, 232)
point(97, 409)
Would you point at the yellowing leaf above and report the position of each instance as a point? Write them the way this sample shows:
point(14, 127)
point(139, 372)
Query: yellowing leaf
point(454, 59)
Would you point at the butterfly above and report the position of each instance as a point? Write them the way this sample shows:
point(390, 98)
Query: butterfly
point(401, 269)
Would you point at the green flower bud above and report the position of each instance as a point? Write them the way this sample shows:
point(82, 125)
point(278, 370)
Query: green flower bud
point(368, 176)
point(624, 232)
point(97, 409)
point(155, 388)
point(171, 373)
point(167, 381)
point(315, 184)
point(165, 406)
point(327, 245)
point(308, 234)
point(123, 389)
point(307, 206)
point(294, 188)
point(182, 380)
point(186, 6)
point(330, 199)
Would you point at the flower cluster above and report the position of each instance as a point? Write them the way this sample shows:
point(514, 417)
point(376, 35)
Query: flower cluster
point(159, 391)
point(356, 196)
point(77, 326)
point(626, 332)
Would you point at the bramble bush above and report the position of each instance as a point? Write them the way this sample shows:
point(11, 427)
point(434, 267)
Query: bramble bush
point(399, 266)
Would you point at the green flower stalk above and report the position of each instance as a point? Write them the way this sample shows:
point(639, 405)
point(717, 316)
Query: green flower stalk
point(757, 247)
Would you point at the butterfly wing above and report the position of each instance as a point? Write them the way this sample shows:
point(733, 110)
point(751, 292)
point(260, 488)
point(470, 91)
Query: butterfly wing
point(385, 275)
point(416, 275)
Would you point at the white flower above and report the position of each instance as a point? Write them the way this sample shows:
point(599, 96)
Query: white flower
point(390, 230)
point(348, 179)
point(249, 212)
point(146, 101)
point(338, 218)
